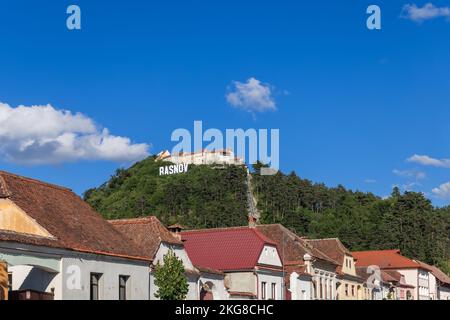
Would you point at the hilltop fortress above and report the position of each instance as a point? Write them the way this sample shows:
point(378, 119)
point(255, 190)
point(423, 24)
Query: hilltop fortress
point(224, 156)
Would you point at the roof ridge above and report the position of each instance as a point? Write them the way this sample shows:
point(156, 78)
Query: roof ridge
point(322, 239)
point(32, 180)
point(139, 220)
point(262, 237)
point(216, 229)
point(382, 250)
point(4, 192)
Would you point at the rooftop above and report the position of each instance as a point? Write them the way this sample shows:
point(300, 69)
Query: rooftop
point(225, 249)
point(72, 223)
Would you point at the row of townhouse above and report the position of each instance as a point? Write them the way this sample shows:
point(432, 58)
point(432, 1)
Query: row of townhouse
point(53, 245)
point(410, 279)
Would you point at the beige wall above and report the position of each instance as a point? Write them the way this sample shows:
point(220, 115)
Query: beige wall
point(348, 290)
point(241, 282)
point(12, 218)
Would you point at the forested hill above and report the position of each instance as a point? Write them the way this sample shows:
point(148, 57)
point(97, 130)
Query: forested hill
point(208, 197)
point(205, 197)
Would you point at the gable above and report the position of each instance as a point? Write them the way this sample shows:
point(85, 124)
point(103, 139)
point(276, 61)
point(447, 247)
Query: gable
point(13, 218)
point(269, 256)
point(179, 251)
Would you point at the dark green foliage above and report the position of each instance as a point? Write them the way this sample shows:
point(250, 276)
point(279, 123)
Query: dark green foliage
point(170, 278)
point(361, 221)
point(205, 197)
point(209, 197)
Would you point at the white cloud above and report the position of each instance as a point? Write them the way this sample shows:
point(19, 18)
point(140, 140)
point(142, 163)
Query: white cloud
point(418, 175)
point(410, 186)
point(44, 135)
point(428, 161)
point(443, 191)
point(427, 12)
point(252, 96)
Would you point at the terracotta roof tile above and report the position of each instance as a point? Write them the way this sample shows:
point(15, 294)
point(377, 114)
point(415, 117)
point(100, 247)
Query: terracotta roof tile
point(147, 233)
point(72, 222)
point(225, 249)
point(332, 247)
point(385, 259)
point(290, 246)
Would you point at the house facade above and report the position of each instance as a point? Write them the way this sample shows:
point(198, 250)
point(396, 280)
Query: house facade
point(416, 283)
point(309, 273)
point(349, 285)
point(250, 261)
point(439, 282)
point(155, 241)
point(57, 247)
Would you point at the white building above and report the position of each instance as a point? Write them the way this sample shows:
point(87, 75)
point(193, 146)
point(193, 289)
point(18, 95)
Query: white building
point(309, 273)
point(156, 241)
point(57, 247)
point(206, 157)
point(416, 284)
point(439, 282)
point(250, 261)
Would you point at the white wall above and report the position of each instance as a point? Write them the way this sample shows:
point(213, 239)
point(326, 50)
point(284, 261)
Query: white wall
point(411, 278)
point(33, 278)
point(111, 269)
point(300, 287)
point(269, 256)
point(218, 287)
point(269, 278)
point(444, 293)
point(180, 252)
point(72, 282)
point(432, 287)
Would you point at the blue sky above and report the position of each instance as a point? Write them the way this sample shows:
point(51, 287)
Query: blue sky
point(352, 105)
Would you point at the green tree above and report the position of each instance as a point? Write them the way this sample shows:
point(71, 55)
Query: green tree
point(170, 278)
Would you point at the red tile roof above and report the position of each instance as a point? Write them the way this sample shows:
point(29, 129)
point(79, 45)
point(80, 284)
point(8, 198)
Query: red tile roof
point(225, 249)
point(72, 222)
point(385, 259)
point(147, 233)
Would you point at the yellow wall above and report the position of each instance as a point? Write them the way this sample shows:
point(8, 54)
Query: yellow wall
point(3, 281)
point(12, 218)
point(355, 290)
point(350, 294)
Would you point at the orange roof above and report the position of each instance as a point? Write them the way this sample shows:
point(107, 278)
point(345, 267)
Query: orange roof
point(385, 259)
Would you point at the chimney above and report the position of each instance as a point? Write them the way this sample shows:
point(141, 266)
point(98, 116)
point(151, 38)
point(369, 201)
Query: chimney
point(175, 230)
point(252, 221)
point(308, 262)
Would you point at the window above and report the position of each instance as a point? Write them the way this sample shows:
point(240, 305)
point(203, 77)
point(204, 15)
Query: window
point(263, 290)
point(95, 283)
point(353, 290)
point(123, 287)
point(10, 281)
point(346, 290)
point(274, 291)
